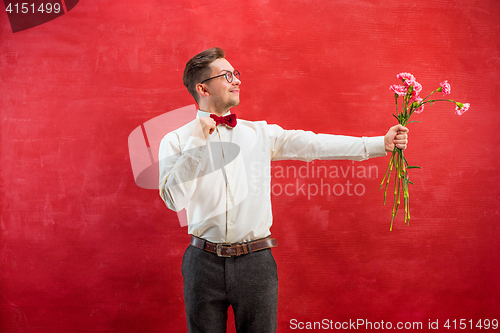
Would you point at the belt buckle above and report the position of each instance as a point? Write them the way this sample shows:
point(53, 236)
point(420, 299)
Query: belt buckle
point(219, 247)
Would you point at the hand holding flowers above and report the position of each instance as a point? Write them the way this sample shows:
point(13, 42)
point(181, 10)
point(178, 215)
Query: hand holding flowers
point(396, 137)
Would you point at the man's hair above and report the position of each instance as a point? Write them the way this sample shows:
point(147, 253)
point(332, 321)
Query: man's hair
point(198, 69)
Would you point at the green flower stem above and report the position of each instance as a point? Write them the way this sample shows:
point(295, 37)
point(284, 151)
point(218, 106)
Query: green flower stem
point(439, 100)
point(394, 205)
point(387, 175)
point(396, 98)
point(401, 182)
point(438, 89)
point(432, 101)
point(397, 160)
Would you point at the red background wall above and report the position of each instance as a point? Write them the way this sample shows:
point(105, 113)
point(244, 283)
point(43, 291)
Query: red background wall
point(84, 249)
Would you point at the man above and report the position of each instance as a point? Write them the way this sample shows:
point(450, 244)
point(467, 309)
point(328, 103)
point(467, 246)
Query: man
point(218, 169)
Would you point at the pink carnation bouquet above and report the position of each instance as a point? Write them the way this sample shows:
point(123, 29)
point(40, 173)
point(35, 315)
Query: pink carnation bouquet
point(411, 103)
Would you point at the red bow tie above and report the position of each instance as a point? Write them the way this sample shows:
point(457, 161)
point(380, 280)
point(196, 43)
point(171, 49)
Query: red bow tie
point(229, 120)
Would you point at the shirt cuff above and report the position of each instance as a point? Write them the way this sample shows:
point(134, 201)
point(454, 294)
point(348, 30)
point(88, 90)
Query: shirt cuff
point(375, 146)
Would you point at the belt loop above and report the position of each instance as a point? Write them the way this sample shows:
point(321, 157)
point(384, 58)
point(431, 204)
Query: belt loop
point(249, 248)
point(203, 243)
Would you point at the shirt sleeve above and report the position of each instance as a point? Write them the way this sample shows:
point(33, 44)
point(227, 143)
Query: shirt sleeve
point(179, 167)
point(308, 146)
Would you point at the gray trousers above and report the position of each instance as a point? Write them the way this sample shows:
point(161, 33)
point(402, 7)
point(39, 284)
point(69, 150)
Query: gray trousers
point(249, 283)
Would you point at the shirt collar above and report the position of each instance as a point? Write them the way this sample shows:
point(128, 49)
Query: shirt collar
point(201, 114)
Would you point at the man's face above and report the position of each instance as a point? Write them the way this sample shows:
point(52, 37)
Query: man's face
point(223, 95)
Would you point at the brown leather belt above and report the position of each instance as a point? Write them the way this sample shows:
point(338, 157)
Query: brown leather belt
point(228, 250)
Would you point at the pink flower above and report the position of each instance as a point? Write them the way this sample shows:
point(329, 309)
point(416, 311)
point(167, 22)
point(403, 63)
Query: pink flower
point(398, 89)
point(416, 101)
point(461, 108)
point(405, 76)
point(445, 87)
point(409, 80)
point(417, 87)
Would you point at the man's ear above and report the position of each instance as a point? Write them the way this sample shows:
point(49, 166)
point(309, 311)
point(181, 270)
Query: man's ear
point(202, 89)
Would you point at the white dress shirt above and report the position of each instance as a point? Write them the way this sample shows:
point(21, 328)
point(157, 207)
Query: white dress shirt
point(216, 180)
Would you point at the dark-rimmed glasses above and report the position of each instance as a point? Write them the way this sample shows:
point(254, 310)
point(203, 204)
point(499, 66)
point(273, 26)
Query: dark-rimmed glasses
point(228, 75)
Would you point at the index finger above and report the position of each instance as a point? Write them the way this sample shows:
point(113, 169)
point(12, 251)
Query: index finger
point(401, 128)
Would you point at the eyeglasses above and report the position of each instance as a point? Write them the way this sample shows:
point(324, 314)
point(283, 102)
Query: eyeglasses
point(228, 75)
